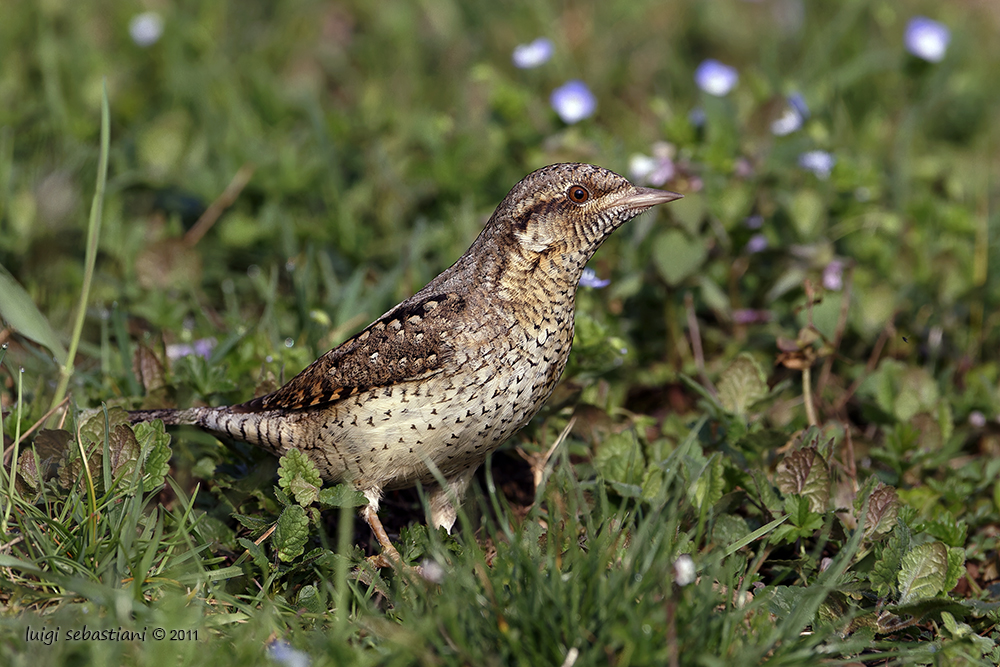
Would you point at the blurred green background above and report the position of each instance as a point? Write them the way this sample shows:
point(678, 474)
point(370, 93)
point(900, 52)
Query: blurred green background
point(364, 145)
point(382, 138)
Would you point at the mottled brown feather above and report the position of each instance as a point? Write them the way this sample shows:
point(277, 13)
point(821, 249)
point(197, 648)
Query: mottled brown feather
point(404, 344)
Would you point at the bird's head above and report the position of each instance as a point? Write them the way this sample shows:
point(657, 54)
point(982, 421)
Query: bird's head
point(558, 216)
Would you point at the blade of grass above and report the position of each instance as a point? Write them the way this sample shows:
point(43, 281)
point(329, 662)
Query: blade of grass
point(13, 457)
point(93, 236)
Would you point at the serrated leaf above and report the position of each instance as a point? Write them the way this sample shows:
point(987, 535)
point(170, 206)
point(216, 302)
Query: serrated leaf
point(154, 442)
point(619, 458)
point(50, 446)
point(291, 533)
point(710, 484)
point(310, 599)
point(123, 450)
point(148, 368)
point(805, 472)
point(742, 384)
point(257, 555)
point(923, 572)
point(29, 476)
point(883, 509)
point(956, 568)
point(677, 256)
point(254, 524)
point(298, 475)
point(945, 528)
point(884, 574)
point(341, 495)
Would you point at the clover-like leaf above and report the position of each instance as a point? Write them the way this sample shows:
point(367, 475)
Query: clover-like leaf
point(742, 384)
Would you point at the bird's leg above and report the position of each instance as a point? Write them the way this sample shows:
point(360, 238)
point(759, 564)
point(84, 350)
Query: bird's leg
point(444, 500)
point(369, 513)
point(389, 556)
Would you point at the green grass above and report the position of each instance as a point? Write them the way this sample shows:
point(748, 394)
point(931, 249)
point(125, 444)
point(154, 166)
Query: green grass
point(363, 148)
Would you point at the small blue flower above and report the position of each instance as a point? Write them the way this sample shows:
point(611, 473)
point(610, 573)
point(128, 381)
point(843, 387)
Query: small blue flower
point(833, 276)
point(202, 347)
point(755, 221)
point(926, 38)
point(282, 652)
point(794, 116)
point(757, 243)
point(715, 78)
point(655, 170)
point(797, 102)
point(533, 54)
point(146, 29)
point(590, 279)
point(573, 101)
point(818, 162)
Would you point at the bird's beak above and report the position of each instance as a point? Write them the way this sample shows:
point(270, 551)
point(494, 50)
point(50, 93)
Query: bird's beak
point(642, 198)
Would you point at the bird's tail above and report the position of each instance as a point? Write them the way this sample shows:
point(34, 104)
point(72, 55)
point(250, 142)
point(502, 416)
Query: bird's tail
point(191, 416)
point(254, 427)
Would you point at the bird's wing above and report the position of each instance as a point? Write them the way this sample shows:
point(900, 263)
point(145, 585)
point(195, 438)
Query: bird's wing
point(407, 343)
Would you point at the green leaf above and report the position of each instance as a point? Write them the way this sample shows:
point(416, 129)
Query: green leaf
point(884, 574)
point(956, 568)
point(291, 533)
point(619, 458)
point(154, 442)
point(804, 472)
point(677, 256)
point(945, 528)
point(298, 475)
point(341, 495)
point(257, 555)
point(254, 524)
point(20, 312)
point(923, 572)
point(710, 484)
point(310, 599)
point(742, 384)
point(883, 509)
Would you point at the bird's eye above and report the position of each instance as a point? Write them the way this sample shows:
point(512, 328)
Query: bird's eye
point(578, 194)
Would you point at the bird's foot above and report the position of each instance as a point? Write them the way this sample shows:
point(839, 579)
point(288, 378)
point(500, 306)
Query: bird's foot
point(390, 556)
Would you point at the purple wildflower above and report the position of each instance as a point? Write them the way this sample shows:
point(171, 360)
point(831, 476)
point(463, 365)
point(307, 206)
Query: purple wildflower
point(757, 243)
point(573, 101)
point(818, 162)
point(590, 279)
point(833, 276)
point(715, 78)
point(533, 54)
point(654, 170)
point(146, 28)
point(926, 39)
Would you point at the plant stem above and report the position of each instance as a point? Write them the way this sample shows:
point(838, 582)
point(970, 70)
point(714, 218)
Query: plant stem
point(807, 396)
point(93, 236)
